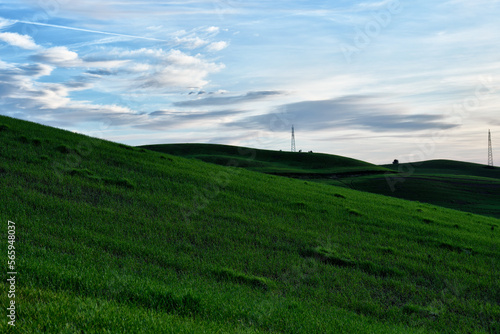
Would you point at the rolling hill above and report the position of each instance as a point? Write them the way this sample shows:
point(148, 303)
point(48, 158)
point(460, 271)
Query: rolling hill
point(111, 239)
point(301, 165)
point(453, 184)
point(448, 167)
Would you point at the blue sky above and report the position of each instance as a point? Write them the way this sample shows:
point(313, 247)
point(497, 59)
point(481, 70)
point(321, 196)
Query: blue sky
point(373, 80)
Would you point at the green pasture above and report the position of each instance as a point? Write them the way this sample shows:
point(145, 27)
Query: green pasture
point(118, 239)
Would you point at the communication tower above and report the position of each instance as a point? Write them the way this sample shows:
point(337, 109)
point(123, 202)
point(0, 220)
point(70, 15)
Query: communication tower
point(490, 150)
point(293, 140)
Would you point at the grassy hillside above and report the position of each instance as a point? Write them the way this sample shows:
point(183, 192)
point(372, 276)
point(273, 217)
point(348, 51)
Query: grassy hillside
point(115, 239)
point(453, 184)
point(312, 165)
point(471, 194)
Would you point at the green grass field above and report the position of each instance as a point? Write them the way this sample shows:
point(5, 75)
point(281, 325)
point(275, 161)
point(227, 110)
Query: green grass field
point(117, 239)
point(452, 184)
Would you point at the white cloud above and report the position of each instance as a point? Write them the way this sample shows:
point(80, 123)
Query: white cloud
point(155, 70)
point(21, 41)
point(105, 63)
point(140, 52)
point(191, 42)
point(97, 108)
point(50, 96)
point(217, 46)
point(140, 68)
point(14, 71)
point(213, 30)
point(5, 23)
point(177, 69)
point(20, 90)
point(36, 70)
point(59, 56)
point(178, 57)
point(155, 28)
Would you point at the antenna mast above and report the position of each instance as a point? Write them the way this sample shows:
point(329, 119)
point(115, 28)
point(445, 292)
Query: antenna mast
point(293, 139)
point(490, 150)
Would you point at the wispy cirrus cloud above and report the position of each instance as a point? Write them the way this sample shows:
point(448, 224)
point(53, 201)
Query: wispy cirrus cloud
point(6, 22)
point(227, 100)
point(194, 42)
point(61, 56)
point(157, 69)
point(349, 112)
point(176, 69)
point(92, 31)
point(165, 119)
point(193, 115)
point(36, 71)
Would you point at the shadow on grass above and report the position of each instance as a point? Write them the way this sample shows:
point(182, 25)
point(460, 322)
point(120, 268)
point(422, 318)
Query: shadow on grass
point(146, 297)
point(85, 173)
point(330, 257)
point(226, 274)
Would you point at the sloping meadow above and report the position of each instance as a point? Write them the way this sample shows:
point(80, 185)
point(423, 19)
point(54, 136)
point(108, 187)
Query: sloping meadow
point(112, 238)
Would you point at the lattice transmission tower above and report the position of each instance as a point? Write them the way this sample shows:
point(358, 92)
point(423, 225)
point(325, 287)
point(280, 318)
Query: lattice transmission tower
point(490, 150)
point(293, 140)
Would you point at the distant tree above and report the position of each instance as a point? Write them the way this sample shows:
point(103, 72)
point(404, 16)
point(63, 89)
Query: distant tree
point(300, 151)
point(395, 162)
point(310, 151)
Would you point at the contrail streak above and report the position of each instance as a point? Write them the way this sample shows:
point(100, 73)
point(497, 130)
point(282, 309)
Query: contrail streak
point(92, 31)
